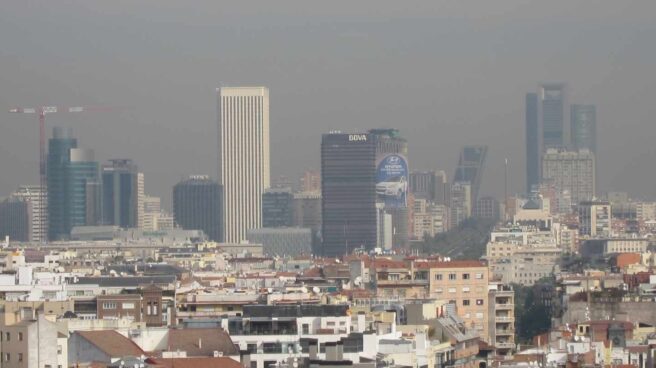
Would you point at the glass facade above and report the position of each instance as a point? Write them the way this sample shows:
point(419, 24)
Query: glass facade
point(348, 193)
point(197, 204)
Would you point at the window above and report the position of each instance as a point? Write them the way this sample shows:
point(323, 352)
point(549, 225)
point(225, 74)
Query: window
point(479, 315)
point(7, 336)
point(452, 290)
point(59, 349)
point(20, 336)
point(439, 290)
point(109, 305)
point(479, 301)
point(465, 289)
point(452, 276)
point(465, 302)
point(127, 305)
point(20, 357)
point(479, 276)
point(7, 357)
point(465, 276)
point(306, 329)
point(438, 276)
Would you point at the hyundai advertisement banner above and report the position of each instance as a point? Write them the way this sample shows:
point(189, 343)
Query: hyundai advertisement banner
point(392, 181)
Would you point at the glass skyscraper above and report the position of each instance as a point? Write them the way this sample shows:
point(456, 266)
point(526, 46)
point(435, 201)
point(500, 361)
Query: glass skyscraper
point(119, 193)
point(197, 205)
point(584, 127)
point(348, 187)
point(70, 171)
point(532, 130)
point(553, 102)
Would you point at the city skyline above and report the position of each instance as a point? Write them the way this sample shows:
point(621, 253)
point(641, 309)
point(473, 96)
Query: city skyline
point(492, 74)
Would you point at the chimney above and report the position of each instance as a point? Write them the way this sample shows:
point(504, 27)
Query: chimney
point(245, 358)
point(313, 349)
point(331, 351)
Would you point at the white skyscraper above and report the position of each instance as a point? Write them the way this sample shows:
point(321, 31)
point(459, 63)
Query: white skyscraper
point(244, 163)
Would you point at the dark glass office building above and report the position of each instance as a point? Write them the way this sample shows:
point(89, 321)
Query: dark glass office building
point(15, 219)
point(70, 171)
point(119, 193)
point(278, 207)
point(553, 101)
point(532, 142)
point(584, 127)
point(348, 193)
point(470, 168)
point(197, 203)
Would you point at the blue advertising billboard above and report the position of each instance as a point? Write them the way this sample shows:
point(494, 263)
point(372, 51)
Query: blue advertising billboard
point(392, 180)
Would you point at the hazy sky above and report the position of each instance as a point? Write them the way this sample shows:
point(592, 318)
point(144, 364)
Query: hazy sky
point(445, 73)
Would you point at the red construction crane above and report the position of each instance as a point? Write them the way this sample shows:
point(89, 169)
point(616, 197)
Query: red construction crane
point(43, 111)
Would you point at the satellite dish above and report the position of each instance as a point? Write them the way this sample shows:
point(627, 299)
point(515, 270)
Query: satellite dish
point(304, 289)
point(316, 290)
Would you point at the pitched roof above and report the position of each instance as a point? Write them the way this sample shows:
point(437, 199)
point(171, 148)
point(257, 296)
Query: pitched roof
point(206, 362)
point(201, 342)
point(111, 343)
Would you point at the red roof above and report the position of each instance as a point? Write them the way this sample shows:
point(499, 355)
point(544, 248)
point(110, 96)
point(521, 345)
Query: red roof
point(111, 343)
point(209, 362)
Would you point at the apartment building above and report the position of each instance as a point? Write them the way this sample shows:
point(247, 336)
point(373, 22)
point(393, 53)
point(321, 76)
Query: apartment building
point(502, 318)
point(465, 284)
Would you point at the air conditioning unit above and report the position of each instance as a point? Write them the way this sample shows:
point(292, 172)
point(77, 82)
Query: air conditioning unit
point(218, 354)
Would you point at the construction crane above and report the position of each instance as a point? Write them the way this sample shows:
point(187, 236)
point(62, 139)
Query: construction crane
point(42, 111)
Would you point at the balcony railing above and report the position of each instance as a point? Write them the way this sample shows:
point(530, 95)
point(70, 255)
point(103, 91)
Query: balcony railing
point(504, 318)
point(505, 345)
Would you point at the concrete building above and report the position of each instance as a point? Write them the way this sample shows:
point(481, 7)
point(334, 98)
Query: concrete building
point(465, 284)
point(277, 207)
point(502, 318)
point(595, 218)
point(461, 202)
point(244, 157)
point(141, 197)
point(348, 207)
point(310, 182)
point(33, 195)
point(487, 208)
point(392, 171)
point(31, 341)
point(197, 206)
point(572, 171)
point(120, 199)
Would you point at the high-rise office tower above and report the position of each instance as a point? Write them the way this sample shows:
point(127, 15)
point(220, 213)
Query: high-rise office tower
point(461, 202)
point(430, 185)
point(243, 155)
point(141, 195)
point(32, 194)
point(120, 187)
point(197, 206)
point(552, 106)
point(584, 127)
point(595, 218)
point(71, 172)
point(392, 185)
point(151, 212)
point(533, 148)
point(470, 169)
point(310, 181)
point(16, 219)
point(277, 207)
point(348, 187)
point(570, 171)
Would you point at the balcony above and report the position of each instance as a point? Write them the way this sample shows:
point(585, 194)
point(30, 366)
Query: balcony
point(505, 331)
point(505, 345)
point(504, 319)
point(505, 306)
